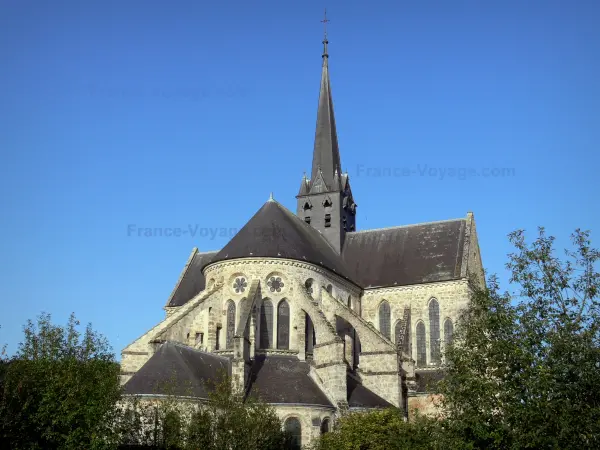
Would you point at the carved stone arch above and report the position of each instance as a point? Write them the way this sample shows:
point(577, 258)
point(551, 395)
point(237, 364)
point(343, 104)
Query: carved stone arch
point(421, 338)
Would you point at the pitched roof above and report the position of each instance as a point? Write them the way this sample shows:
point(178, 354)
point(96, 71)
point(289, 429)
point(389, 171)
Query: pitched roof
point(284, 379)
point(361, 397)
point(275, 232)
point(178, 370)
point(406, 255)
point(192, 280)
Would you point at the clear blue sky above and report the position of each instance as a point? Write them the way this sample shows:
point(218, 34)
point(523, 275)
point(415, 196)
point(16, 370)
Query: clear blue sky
point(189, 113)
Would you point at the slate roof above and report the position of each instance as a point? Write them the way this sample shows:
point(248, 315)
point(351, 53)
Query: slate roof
point(192, 281)
point(180, 368)
point(406, 255)
point(361, 397)
point(275, 379)
point(284, 379)
point(275, 232)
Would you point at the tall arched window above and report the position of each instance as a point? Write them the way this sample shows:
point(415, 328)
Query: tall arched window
point(266, 324)
point(448, 331)
point(434, 331)
point(384, 319)
point(283, 325)
point(292, 426)
point(398, 334)
point(329, 289)
point(350, 301)
point(421, 345)
point(230, 324)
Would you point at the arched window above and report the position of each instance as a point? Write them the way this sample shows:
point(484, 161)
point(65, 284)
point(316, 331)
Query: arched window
point(266, 324)
point(283, 325)
point(350, 301)
point(448, 331)
point(329, 289)
point(325, 425)
point(399, 334)
point(292, 426)
point(384, 319)
point(434, 331)
point(421, 345)
point(230, 324)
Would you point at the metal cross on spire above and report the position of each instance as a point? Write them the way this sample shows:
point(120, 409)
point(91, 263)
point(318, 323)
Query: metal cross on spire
point(324, 22)
point(325, 41)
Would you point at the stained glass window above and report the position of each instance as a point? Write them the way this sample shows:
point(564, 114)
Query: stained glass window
point(384, 319)
point(230, 324)
point(283, 325)
point(421, 345)
point(266, 324)
point(434, 331)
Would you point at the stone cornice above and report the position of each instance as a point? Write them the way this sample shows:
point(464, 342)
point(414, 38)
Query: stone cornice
point(411, 287)
point(354, 289)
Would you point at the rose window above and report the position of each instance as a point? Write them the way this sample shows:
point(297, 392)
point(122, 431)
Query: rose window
point(275, 284)
point(240, 285)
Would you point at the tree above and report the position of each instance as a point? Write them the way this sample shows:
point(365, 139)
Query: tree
point(60, 389)
point(524, 371)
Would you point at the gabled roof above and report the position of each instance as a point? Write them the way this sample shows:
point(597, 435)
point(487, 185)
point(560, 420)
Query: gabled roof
point(284, 379)
point(192, 280)
point(406, 255)
point(275, 232)
point(177, 370)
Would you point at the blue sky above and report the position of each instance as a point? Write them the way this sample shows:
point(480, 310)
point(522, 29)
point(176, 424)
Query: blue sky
point(188, 114)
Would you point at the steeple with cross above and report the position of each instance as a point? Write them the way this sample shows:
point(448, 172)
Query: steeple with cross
point(325, 199)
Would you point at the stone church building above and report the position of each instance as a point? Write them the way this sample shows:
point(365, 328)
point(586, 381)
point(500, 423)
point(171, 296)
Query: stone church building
point(316, 317)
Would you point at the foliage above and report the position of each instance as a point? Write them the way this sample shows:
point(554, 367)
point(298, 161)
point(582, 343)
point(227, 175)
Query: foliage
point(59, 390)
point(226, 420)
point(525, 371)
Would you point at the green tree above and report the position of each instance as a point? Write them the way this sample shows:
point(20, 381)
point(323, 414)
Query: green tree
point(525, 369)
point(60, 389)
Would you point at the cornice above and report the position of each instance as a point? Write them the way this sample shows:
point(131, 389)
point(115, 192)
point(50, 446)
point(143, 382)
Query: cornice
point(414, 287)
point(354, 289)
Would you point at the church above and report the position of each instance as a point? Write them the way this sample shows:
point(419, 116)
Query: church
point(310, 313)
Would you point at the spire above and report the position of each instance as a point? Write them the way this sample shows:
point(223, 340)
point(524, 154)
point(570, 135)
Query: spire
point(326, 154)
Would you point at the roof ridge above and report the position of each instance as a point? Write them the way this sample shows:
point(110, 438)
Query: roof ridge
point(304, 224)
point(407, 226)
